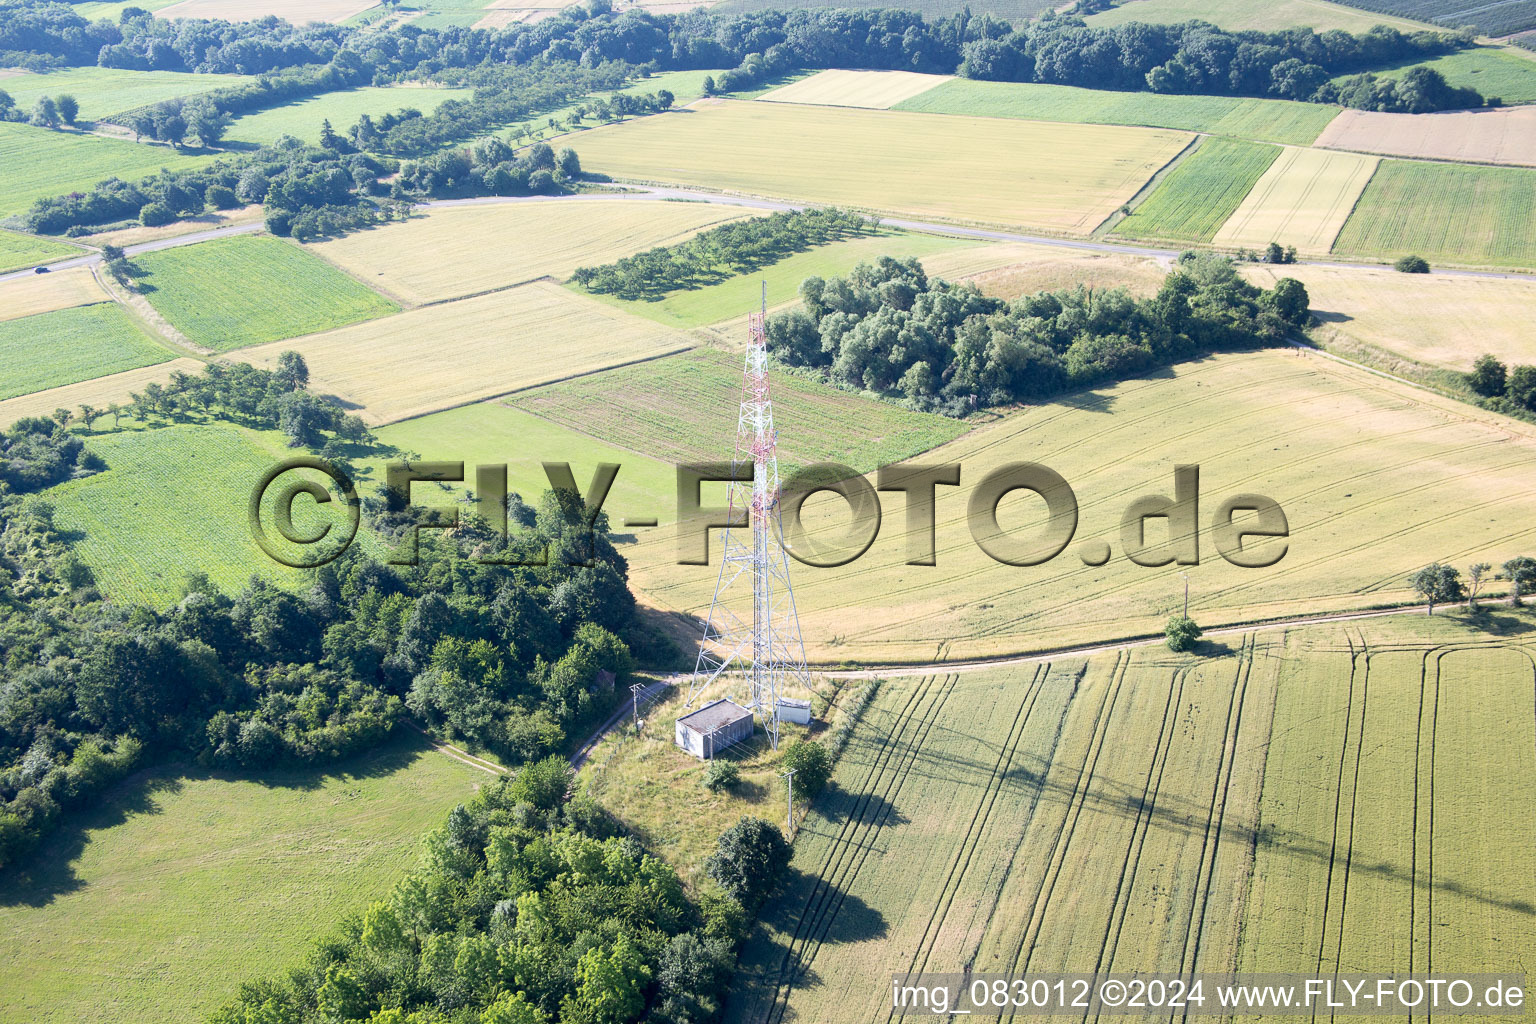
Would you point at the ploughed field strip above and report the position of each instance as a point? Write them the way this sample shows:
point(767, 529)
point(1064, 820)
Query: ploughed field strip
point(1307, 801)
point(1304, 430)
point(1303, 200)
point(1021, 174)
point(1505, 136)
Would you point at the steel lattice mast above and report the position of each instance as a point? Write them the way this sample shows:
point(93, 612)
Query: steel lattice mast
point(767, 650)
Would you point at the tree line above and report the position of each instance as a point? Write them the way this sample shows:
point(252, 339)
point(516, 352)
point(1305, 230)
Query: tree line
point(888, 328)
point(721, 253)
point(1510, 390)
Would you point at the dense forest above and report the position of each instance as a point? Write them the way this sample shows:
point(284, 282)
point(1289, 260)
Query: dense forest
point(888, 328)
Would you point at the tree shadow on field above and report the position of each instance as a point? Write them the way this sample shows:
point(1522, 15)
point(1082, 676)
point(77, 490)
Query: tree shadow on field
point(48, 871)
point(838, 805)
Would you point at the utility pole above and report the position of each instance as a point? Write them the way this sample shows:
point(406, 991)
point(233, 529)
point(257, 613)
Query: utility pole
point(1186, 593)
point(789, 791)
point(635, 690)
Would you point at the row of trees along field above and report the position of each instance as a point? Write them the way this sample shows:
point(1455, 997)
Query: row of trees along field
point(888, 328)
point(1510, 390)
point(512, 660)
point(721, 253)
point(529, 908)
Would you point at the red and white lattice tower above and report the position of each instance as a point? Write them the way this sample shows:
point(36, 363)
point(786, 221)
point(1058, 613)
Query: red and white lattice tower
point(766, 651)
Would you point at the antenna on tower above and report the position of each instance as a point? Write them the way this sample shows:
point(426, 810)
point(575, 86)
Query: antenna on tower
point(766, 650)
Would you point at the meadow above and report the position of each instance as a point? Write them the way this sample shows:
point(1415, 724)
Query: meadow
point(250, 289)
point(171, 502)
point(44, 293)
point(684, 409)
point(97, 391)
point(1442, 320)
point(879, 90)
point(1303, 199)
point(1275, 803)
point(302, 118)
point(36, 163)
point(1062, 178)
point(1201, 193)
point(1256, 15)
point(736, 296)
point(1506, 136)
point(1008, 270)
point(455, 353)
point(18, 250)
point(297, 11)
point(480, 247)
point(113, 9)
point(70, 345)
point(1444, 212)
point(103, 92)
point(1303, 429)
point(1281, 121)
point(183, 882)
point(1491, 70)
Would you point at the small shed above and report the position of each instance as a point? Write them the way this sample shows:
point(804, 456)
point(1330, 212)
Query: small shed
point(713, 727)
point(792, 710)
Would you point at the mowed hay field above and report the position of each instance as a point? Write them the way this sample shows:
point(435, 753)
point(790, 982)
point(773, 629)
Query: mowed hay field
point(1201, 193)
point(1302, 200)
point(1304, 430)
point(451, 354)
point(157, 904)
point(1282, 121)
point(44, 293)
point(97, 391)
point(19, 250)
point(71, 345)
point(1011, 269)
point(1469, 215)
point(302, 118)
point(103, 92)
point(300, 12)
point(250, 289)
point(466, 250)
point(1443, 320)
point(879, 90)
point(1257, 15)
point(1309, 801)
point(1506, 136)
point(1063, 178)
point(36, 163)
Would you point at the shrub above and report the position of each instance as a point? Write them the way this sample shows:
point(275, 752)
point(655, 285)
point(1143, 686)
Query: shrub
point(221, 197)
point(812, 766)
point(1411, 265)
point(748, 859)
point(1181, 633)
point(1488, 376)
point(721, 775)
point(155, 214)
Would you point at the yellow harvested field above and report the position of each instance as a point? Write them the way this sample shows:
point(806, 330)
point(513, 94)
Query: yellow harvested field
point(1302, 200)
point(878, 90)
point(1503, 136)
point(1441, 319)
point(1064, 178)
point(211, 221)
point(100, 392)
point(44, 293)
point(1010, 269)
point(300, 12)
point(465, 250)
point(1374, 478)
point(450, 354)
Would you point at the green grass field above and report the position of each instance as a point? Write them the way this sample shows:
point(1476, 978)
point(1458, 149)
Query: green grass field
point(171, 502)
point(1445, 212)
point(1259, 15)
point(36, 163)
point(71, 345)
point(683, 408)
point(103, 92)
point(96, 9)
point(182, 883)
point(439, 14)
point(302, 118)
point(716, 302)
point(1490, 70)
point(1196, 198)
point(235, 292)
point(18, 250)
point(1013, 10)
point(1310, 801)
point(1262, 120)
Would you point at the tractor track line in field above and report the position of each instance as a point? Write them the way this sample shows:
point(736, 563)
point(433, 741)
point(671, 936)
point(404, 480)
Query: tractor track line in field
point(1364, 657)
point(1056, 858)
point(1130, 865)
point(979, 818)
point(830, 905)
point(1338, 803)
point(888, 743)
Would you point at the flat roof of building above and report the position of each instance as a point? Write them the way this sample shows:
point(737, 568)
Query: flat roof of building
point(714, 716)
point(792, 702)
